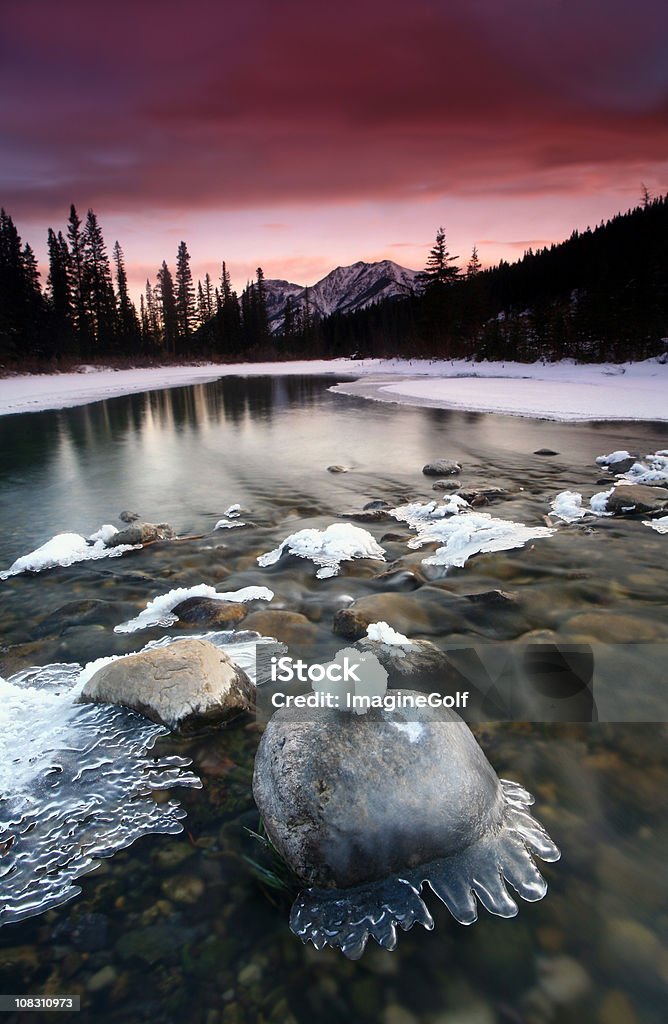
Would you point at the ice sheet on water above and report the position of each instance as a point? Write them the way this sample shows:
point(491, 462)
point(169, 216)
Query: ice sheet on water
point(158, 612)
point(66, 549)
point(660, 525)
point(340, 542)
point(76, 780)
point(463, 533)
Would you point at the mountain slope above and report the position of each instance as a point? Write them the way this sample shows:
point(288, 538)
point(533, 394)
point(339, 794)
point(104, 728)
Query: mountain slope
point(344, 290)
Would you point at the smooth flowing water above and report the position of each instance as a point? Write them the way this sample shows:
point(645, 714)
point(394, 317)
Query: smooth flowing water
point(185, 928)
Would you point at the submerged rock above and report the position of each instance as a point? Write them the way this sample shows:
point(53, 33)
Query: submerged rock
point(545, 451)
point(190, 684)
point(287, 627)
point(441, 467)
point(205, 611)
point(365, 809)
point(337, 469)
point(142, 533)
point(129, 517)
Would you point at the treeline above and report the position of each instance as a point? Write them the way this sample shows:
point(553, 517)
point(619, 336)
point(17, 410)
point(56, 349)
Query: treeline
point(85, 311)
point(601, 295)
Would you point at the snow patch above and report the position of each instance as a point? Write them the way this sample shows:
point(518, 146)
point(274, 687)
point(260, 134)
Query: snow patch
point(613, 457)
point(568, 506)
point(384, 633)
point(226, 524)
point(66, 549)
point(651, 469)
point(464, 533)
point(233, 511)
point(158, 612)
point(340, 542)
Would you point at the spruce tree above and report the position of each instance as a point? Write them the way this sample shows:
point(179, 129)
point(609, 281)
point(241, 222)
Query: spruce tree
point(185, 293)
point(101, 301)
point(170, 320)
point(474, 265)
point(127, 314)
point(75, 239)
point(440, 269)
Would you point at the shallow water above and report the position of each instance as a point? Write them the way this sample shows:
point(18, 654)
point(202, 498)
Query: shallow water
point(181, 928)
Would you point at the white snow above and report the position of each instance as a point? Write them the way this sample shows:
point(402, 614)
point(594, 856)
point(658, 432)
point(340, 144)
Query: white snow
point(560, 391)
point(158, 612)
point(233, 511)
point(340, 542)
point(660, 525)
point(651, 469)
point(464, 533)
point(105, 533)
point(384, 633)
point(568, 505)
point(66, 549)
point(416, 513)
point(612, 458)
point(226, 524)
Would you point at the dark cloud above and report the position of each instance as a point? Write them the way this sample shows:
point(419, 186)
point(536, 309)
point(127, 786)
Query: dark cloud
point(227, 106)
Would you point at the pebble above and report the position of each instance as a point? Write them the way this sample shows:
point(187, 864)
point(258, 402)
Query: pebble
point(187, 889)
point(563, 980)
point(250, 974)
point(103, 978)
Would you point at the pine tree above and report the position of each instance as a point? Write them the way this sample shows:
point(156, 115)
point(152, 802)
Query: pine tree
point(261, 325)
point(127, 314)
point(185, 293)
point(58, 282)
point(75, 238)
point(170, 320)
point(22, 309)
point(474, 265)
point(440, 269)
point(101, 301)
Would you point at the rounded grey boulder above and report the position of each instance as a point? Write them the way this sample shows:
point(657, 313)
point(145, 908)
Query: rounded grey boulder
point(188, 685)
point(350, 799)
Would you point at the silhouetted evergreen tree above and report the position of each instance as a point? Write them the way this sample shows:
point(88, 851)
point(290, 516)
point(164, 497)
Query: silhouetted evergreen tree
point(101, 301)
point(169, 313)
point(75, 238)
point(128, 325)
point(59, 292)
point(185, 296)
point(440, 268)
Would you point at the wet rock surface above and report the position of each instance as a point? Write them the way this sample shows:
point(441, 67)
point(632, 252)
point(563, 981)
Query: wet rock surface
point(142, 533)
point(205, 611)
point(189, 685)
point(441, 467)
point(635, 498)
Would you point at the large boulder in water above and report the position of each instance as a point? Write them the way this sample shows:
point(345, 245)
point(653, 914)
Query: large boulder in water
point(349, 799)
point(206, 611)
point(188, 685)
point(634, 498)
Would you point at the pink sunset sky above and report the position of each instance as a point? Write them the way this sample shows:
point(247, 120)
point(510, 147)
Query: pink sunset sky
point(301, 136)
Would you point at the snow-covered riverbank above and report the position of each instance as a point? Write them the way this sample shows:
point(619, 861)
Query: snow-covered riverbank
point(559, 391)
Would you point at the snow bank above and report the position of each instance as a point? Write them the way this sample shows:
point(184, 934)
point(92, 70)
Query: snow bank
point(66, 549)
point(463, 534)
point(660, 525)
point(384, 633)
point(556, 391)
point(340, 542)
point(560, 391)
point(158, 612)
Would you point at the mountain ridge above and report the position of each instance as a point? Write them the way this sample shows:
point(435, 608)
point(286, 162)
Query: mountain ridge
point(342, 290)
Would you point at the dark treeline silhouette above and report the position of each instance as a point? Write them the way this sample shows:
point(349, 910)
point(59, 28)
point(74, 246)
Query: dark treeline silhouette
point(600, 295)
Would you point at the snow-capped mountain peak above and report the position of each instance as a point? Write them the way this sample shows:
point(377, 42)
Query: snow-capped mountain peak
point(343, 290)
